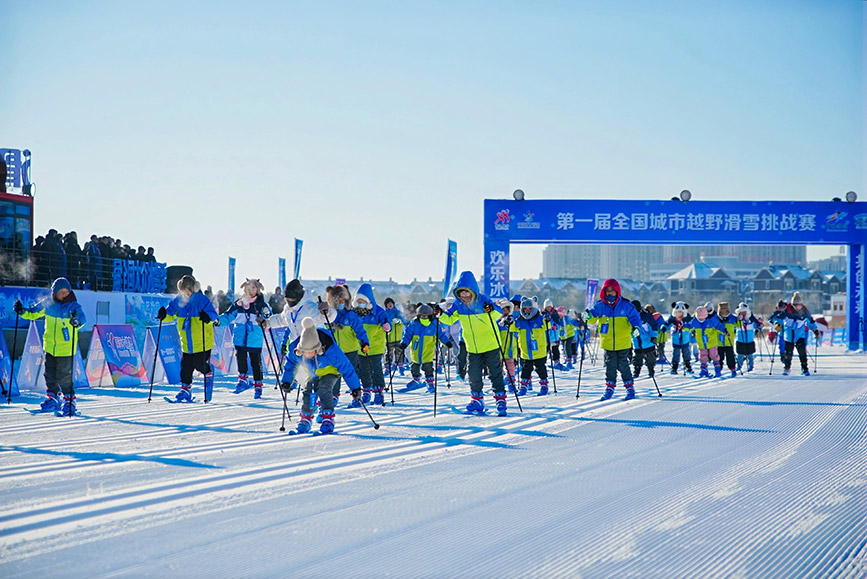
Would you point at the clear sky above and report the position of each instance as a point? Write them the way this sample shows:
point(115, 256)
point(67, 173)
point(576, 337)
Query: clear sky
point(374, 130)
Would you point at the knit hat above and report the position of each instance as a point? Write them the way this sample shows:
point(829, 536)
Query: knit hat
point(424, 310)
point(797, 299)
point(388, 301)
point(637, 304)
point(743, 308)
point(701, 312)
point(309, 341)
point(548, 304)
point(294, 291)
point(504, 303)
point(723, 307)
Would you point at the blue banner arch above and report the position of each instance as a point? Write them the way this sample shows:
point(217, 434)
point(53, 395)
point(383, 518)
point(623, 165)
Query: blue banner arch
point(636, 222)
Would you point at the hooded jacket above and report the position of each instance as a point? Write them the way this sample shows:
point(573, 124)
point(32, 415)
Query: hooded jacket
point(246, 332)
point(651, 329)
point(478, 331)
point(708, 332)
point(398, 323)
point(331, 360)
point(419, 337)
point(196, 336)
point(59, 333)
point(532, 336)
point(615, 321)
point(373, 322)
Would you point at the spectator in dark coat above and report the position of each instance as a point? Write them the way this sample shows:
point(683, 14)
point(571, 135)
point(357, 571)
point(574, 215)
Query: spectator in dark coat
point(74, 259)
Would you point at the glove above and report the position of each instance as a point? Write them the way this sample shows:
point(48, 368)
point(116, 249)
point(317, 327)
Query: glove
point(284, 349)
point(653, 340)
point(437, 310)
point(395, 321)
point(323, 307)
point(587, 314)
point(161, 315)
point(286, 386)
point(636, 332)
point(74, 321)
point(489, 308)
point(387, 327)
point(204, 317)
point(449, 345)
point(778, 327)
point(266, 312)
point(338, 327)
point(816, 334)
point(365, 348)
point(356, 394)
point(18, 307)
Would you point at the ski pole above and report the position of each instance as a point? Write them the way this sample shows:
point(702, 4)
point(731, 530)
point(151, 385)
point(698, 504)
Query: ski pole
point(500, 349)
point(653, 377)
point(550, 354)
point(390, 378)
point(270, 357)
point(208, 362)
point(436, 361)
point(447, 364)
point(154, 365)
point(277, 353)
point(375, 425)
point(73, 360)
point(816, 356)
point(285, 411)
point(12, 369)
point(580, 369)
point(771, 371)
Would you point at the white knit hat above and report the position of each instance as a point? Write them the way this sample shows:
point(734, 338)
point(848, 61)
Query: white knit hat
point(548, 303)
point(309, 341)
point(797, 299)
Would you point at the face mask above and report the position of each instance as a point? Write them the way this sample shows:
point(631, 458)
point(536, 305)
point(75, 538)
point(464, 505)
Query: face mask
point(339, 306)
point(610, 299)
point(425, 321)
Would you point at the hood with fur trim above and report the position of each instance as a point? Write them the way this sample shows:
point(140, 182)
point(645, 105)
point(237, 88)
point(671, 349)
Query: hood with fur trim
point(467, 281)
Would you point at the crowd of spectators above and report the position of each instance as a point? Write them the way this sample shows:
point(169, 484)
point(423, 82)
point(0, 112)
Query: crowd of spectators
point(88, 267)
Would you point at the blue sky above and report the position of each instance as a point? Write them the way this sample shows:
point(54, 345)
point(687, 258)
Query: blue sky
point(374, 130)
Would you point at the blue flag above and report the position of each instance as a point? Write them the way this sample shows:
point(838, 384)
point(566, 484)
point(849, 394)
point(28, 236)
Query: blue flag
point(281, 272)
point(298, 244)
point(451, 267)
point(231, 288)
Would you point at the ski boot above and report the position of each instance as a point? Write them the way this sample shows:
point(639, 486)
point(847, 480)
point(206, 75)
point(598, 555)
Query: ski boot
point(327, 426)
point(184, 394)
point(257, 390)
point(414, 384)
point(209, 386)
point(50, 404)
point(630, 392)
point(430, 385)
point(304, 424)
point(717, 371)
point(477, 404)
point(734, 373)
point(785, 371)
point(543, 388)
point(501, 403)
point(365, 398)
point(68, 408)
point(243, 384)
point(609, 391)
point(523, 390)
point(378, 398)
point(805, 373)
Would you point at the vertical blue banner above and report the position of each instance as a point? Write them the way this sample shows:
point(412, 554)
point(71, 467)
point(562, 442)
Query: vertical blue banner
point(451, 267)
point(297, 271)
point(857, 325)
point(6, 368)
point(590, 297)
point(281, 272)
point(12, 157)
point(496, 256)
point(231, 289)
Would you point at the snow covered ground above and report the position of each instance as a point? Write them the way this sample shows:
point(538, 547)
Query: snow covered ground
point(755, 476)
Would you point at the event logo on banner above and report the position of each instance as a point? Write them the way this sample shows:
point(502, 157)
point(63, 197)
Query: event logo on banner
point(169, 359)
point(451, 267)
point(281, 272)
point(114, 353)
point(298, 245)
point(129, 275)
point(6, 369)
point(590, 296)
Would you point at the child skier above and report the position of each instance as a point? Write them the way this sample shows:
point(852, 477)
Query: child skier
point(474, 311)
point(507, 340)
point(394, 358)
point(706, 330)
point(63, 316)
point(533, 339)
point(615, 319)
point(554, 323)
point(726, 348)
point(247, 317)
point(795, 324)
point(421, 337)
point(349, 333)
point(745, 341)
point(316, 363)
point(377, 326)
point(645, 343)
point(195, 316)
point(680, 339)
